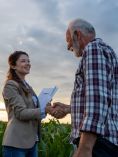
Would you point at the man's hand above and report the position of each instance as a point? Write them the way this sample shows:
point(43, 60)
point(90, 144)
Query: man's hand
point(61, 110)
point(58, 110)
point(86, 144)
point(55, 111)
point(82, 153)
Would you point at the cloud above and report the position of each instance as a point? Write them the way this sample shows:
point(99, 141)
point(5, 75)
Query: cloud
point(38, 27)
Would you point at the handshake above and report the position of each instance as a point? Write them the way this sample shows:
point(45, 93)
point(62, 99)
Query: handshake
point(58, 110)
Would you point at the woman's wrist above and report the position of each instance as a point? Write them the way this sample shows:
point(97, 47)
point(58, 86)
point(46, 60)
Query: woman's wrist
point(48, 109)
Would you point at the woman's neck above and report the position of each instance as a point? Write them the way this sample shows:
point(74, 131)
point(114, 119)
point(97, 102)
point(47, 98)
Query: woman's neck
point(21, 76)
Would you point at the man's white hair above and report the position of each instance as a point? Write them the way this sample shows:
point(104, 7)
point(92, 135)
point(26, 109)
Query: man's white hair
point(85, 27)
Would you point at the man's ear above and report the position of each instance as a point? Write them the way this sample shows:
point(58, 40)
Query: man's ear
point(79, 34)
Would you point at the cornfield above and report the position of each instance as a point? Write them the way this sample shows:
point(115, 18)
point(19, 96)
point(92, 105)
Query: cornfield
point(54, 139)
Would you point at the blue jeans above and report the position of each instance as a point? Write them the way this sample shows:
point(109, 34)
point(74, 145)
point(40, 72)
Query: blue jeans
point(19, 152)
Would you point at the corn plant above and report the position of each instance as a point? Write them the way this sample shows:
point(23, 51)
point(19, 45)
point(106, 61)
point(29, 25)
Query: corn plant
point(55, 140)
point(2, 129)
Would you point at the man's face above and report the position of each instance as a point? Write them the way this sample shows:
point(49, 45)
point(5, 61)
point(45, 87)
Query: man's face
point(73, 43)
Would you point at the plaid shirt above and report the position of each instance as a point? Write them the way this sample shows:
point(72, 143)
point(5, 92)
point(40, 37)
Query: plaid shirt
point(94, 100)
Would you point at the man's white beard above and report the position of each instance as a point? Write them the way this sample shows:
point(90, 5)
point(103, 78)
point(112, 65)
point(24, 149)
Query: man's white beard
point(76, 52)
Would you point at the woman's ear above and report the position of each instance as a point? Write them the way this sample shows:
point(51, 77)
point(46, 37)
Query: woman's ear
point(13, 67)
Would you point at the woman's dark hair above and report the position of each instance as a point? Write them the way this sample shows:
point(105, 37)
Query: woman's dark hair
point(12, 62)
point(12, 75)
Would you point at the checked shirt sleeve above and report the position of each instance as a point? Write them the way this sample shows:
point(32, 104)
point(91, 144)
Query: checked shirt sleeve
point(97, 89)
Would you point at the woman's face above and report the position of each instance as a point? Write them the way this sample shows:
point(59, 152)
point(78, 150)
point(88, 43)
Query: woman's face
point(23, 65)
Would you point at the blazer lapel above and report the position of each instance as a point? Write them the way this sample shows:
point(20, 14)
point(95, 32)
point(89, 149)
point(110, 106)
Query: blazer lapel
point(27, 95)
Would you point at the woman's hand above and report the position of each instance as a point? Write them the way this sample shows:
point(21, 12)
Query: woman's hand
point(61, 110)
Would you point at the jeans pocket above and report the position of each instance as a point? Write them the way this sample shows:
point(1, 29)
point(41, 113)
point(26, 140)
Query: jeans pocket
point(6, 152)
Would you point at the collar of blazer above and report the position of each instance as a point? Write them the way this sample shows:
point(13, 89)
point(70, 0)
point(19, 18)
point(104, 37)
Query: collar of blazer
point(23, 89)
point(21, 86)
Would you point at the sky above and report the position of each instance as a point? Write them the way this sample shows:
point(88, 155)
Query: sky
point(38, 27)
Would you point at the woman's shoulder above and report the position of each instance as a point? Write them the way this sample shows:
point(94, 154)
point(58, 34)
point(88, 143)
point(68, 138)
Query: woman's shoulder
point(11, 82)
point(9, 86)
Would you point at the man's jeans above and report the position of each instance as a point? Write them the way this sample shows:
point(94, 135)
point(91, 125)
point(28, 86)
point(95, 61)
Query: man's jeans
point(18, 152)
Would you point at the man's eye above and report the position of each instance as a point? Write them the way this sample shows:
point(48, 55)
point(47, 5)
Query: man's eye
point(24, 61)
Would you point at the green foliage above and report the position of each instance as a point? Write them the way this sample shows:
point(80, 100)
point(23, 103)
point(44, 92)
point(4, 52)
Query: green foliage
point(2, 129)
point(54, 139)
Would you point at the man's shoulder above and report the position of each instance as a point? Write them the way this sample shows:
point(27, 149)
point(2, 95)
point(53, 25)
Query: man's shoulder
point(94, 43)
point(98, 45)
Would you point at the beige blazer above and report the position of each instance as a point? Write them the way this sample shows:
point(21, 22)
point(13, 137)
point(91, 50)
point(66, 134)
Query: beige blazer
point(23, 117)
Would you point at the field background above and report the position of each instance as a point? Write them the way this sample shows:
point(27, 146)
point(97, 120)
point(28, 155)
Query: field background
point(54, 139)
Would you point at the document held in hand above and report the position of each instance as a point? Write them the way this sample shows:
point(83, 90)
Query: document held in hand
point(46, 96)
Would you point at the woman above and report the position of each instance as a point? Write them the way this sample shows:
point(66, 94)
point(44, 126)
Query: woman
point(24, 115)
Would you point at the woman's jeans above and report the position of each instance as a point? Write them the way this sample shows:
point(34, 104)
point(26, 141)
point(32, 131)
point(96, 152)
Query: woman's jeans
point(19, 152)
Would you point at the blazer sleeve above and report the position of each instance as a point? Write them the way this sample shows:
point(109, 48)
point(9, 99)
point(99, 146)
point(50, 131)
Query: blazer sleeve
point(14, 100)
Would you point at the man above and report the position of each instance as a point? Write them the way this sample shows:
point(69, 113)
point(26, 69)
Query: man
point(94, 100)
